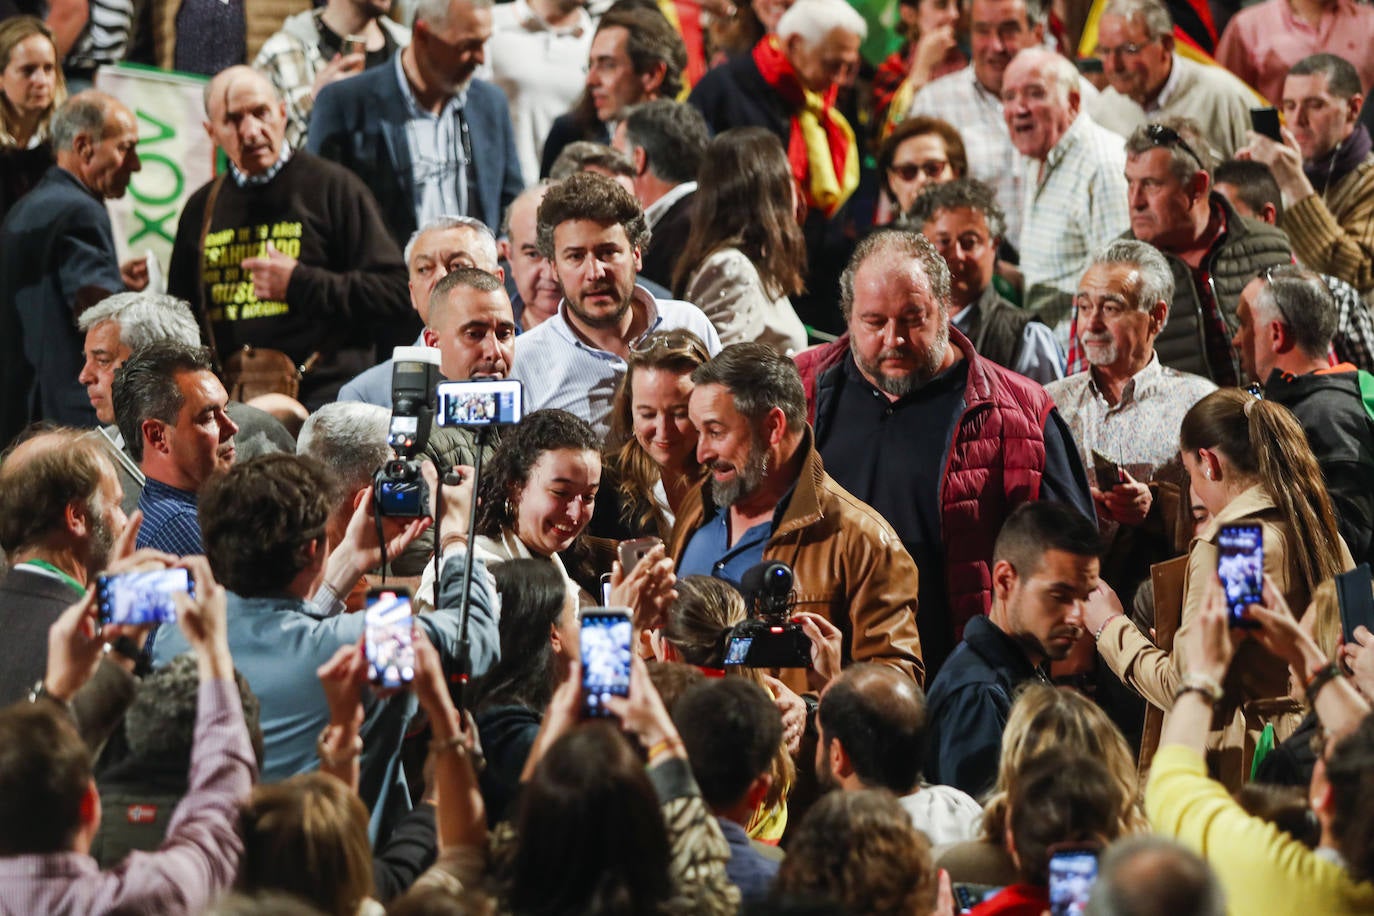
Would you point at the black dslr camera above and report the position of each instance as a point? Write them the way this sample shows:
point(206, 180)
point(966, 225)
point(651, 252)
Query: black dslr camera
point(768, 639)
point(399, 490)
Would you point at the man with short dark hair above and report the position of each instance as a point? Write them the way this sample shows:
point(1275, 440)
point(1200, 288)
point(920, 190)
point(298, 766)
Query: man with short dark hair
point(732, 732)
point(426, 136)
point(264, 526)
point(874, 733)
point(666, 141)
point(1212, 250)
point(1325, 169)
point(941, 442)
point(636, 56)
point(59, 517)
point(49, 805)
point(1044, 568)
point(594, 232)
point(171, 412)
point(57, 258)
point(1154, 876)
point(768, 497)
point(293, 254)
point(1287, 320)
point(964, 223)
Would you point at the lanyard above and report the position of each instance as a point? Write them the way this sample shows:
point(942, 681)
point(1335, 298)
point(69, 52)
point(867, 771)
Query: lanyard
point(44, 564)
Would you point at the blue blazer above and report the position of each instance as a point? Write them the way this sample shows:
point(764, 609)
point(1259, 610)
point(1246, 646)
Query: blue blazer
point(360, 123)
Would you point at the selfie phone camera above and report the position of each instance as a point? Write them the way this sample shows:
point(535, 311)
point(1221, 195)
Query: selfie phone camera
point(138, 598)
point(1073, 872)
point(481, 402)
point(1240, 567)
point(389, 638)
point(606, 636)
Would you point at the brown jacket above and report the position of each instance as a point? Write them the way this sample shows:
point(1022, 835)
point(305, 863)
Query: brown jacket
point(850, 567)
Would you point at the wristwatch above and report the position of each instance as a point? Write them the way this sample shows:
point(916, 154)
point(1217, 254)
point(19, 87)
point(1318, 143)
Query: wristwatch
point(39, 691)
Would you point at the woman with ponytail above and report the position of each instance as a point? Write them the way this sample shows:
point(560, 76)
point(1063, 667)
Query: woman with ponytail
point(1250, 463)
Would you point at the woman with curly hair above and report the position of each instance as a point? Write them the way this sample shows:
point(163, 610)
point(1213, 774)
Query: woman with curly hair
point(860, 851)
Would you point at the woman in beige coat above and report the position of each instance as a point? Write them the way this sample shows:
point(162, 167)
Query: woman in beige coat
point(1250, 463)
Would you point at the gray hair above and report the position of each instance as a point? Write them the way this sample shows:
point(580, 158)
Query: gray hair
point(581, 155)
point(1155, 281)
point(961, 193)
point(1182, 165)
point(145, 318)
point(902, 243)
point(348, 438)
point(1056, 68)
point(1147, 875)
point(435, 12)
point(486, 241)
point(1152, 14)
point(812, 20)
point(538, 189)
point(145, 387)
point(1300, 299)
point(83, 113)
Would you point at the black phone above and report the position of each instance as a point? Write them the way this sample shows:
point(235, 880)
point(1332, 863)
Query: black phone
point(605, 635)
point(138, 598)
point(389, 643)
point(1265, 121)
point(1107, 471)
point(1240, 567)
point(1073, 871)
point(968, 896)
point(481, 402)
point(1355, 595)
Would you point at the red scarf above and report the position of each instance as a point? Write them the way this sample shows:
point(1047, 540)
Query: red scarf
point(826, 193)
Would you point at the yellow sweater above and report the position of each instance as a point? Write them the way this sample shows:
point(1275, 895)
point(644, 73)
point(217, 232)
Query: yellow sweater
point(1262, 869)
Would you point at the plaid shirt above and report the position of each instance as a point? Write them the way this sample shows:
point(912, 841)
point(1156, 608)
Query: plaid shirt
point(1354, 340)
point(1077, 206)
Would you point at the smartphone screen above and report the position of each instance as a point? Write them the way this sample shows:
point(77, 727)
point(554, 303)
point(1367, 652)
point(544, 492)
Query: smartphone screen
point(483, 402)
point(738, 650)
point(1265, 121)
point(389, 645)
point(141, 597)
point(1072, 873)
point(1353, 594)
point(605, 644)
point(1240, 567)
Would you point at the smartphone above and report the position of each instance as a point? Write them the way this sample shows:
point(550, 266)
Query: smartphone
point(1107, 471)
point(141, 597)
point(631, 552)
point(1072, 874)
point(354, 44)
point(605, 634)
point(1265, 121)
point(605, 588)
point(482, 402)
point(1355, 595)
point(1240, 567)
point(389, 644)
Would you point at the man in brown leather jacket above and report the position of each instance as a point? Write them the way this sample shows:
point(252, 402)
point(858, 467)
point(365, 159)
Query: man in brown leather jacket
point(768, 498)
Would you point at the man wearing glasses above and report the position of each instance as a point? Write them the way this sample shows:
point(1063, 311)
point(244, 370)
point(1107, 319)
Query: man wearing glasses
point(1135, 42)
point(1212, 250)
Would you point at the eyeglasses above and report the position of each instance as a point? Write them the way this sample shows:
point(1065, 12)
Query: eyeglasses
point(1160, 135)
point(1130, 49)
point(672, 343)
point(909, 171)
point(1267, 275)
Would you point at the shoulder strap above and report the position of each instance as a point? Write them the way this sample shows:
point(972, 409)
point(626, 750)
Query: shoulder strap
point(202, 307)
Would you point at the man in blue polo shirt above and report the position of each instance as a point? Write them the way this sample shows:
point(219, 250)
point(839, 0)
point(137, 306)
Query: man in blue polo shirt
point(768, 497)
point(170, 409)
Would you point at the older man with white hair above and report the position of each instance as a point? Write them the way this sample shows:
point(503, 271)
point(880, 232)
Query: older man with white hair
point(1075, 194)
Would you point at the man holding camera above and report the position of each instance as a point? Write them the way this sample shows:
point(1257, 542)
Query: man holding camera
point(769, 498)
point(264, 528)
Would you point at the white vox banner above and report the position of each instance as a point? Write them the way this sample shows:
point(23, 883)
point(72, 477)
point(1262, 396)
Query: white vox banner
point(177, 156)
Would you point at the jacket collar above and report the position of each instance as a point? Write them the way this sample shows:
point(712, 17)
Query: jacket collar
point(1250, 503)
point(999, 650)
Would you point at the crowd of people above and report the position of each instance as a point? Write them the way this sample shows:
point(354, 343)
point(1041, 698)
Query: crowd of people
point(1031, 353)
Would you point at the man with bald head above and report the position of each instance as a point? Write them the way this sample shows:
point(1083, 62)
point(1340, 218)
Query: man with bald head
point(537, 288)
point(57, 258)
point(434, 250)
point(874, 734)
point(293, 254)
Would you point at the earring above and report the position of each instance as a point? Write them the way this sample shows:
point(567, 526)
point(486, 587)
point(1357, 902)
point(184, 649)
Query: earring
point(1207, 472)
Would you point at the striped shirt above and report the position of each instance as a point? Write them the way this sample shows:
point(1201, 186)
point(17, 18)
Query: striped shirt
point(106, 36)
point(560, 369)
point(169, 520)
point(1077, 206)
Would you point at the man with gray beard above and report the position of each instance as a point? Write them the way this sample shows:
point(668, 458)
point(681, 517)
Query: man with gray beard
point(943, 443)
point(768, 498)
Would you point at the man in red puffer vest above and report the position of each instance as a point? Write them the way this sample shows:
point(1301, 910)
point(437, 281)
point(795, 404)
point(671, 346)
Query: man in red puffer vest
point(943, 443)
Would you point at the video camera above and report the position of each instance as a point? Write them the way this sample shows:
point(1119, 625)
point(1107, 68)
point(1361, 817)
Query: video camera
point(399, 490)
point(768, 639)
